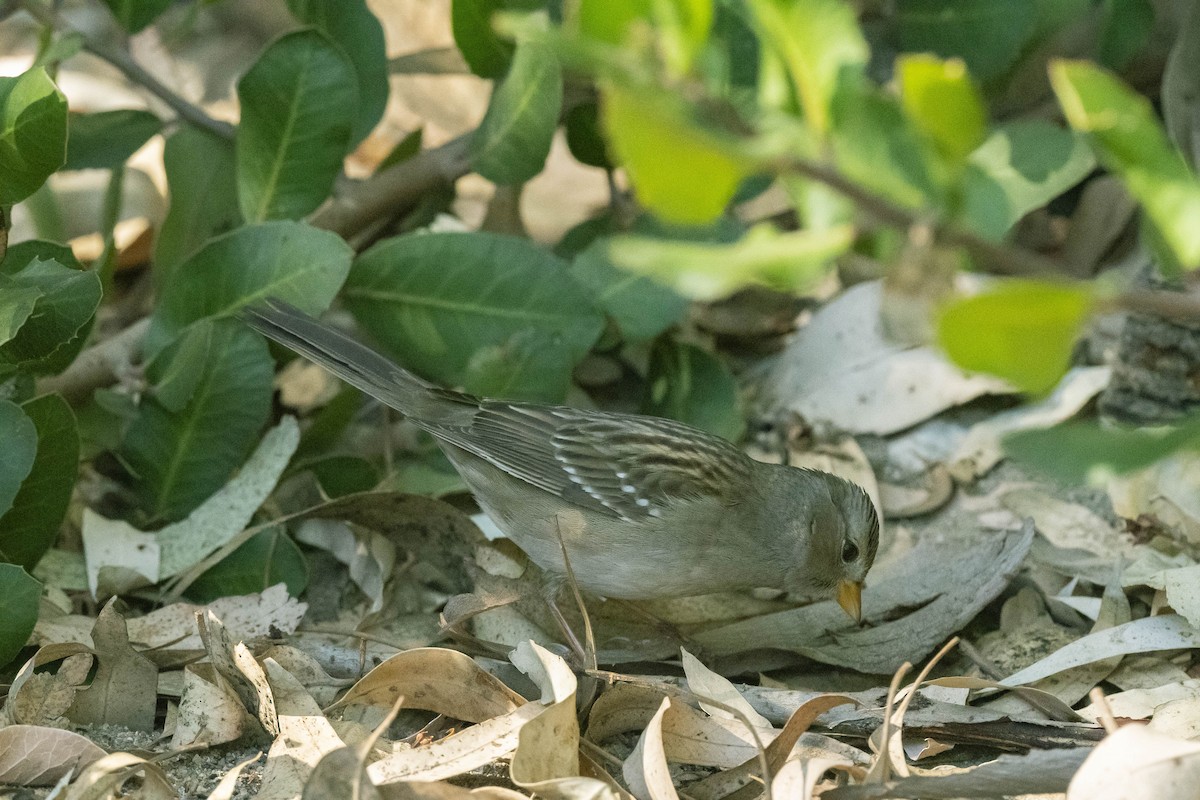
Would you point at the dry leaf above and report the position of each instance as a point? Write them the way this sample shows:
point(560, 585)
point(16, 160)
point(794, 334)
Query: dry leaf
point(117, 694)
point(1135, 763)
point(209, 711)
point(305, 736)
point(645, 770)
point(35, 756)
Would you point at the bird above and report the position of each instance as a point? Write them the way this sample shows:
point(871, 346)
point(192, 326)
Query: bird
point(643, 507)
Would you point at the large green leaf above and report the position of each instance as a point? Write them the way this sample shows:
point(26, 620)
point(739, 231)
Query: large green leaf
point(641, 307)
point(134, 15)
point(943, 101)
point(511, 144)
point(19, 598)
point(1075, 452)
point(106, 139)
point(1021, 330)
point(989, 36)
point(1125, 130)
point(484, 51)
point(351, 25)
point(51, 336)
point(19, 435)
point(681, 172)
point(289, 260)
point(31, 525)
point(33, 133)
point(792, 261)
point(299, 103)
point(181, 454)
point(201, 175)
point(453, 305)
point(16, 306)
point(692, 386)
point(1022, 166)
point(815, 40)
point(682, 26)
point(268, 558)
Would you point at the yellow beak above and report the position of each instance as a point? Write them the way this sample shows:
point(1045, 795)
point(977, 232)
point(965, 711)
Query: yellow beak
point(849, 597)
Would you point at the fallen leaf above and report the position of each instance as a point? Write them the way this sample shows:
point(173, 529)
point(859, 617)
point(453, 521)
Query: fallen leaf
point(36, 756)
point(1135, 763)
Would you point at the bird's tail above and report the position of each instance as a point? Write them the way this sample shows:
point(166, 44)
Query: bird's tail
point(350, 360)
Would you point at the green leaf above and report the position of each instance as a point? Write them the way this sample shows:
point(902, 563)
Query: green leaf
point(641, 307)
point(51, 337)
point(180, 457)
point(485, 52)
point(201, 174)
point(941, 99)
point(405, 149)
point(584, 138)
point(19, 435)
point(31, 525)
point(1128, 27)
point(1022, 166)
point(351, 25)
point(20, 595)
point(681, 172)
point(1021, 330)
point(1123, 127)
point(816, 40)
point(692, 386)
point(289, 260)
point(989, 36)
point(299, 102)
point(268, 558)
point(134, 15)
point(511, 144)
point(16, 305)
point(106, 139)
point(437, 299)
point(793, 261)
point(876, 145)
point(343, 475)
point(1078, 452)
point(33, 133)
point(329, 423)
point(682, 26)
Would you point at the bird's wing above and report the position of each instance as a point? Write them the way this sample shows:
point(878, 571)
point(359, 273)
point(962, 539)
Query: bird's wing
point(626, 466)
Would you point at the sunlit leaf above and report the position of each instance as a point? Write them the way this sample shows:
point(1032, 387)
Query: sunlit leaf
point(1022, 331)
point(943, 101)
point(33, 133)
point(1123, 127)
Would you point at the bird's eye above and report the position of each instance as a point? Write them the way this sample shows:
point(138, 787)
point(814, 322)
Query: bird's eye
point(849, 552)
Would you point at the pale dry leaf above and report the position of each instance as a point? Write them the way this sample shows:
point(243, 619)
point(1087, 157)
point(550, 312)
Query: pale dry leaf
point(981, 448)
point(269, 612)
point(1165, 492)
point(321, 685)
point(1178, 718)
point(799, 777)
point(340, 774)
point(210, 712)
point(1068, 525)
point(37, 698)
point(1144, 703)
point(708, 685)
point(103, 777)
point(305, 736)
point(435, 679)
point(1135, 763)
point(1146, 635)
point(237, 665)
point(117, 694)
point(369, 557)
point(1034, 773)
point(645, 770)
point(228, 784)
point(458, 753)
point(65, 570)
point(841, 369)
point(35, 756)
point(119, 557)
point(1183, 592)
point(1146, 672)
point(226, 513)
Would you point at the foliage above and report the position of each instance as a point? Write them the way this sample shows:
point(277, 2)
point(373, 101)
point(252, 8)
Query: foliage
point(869, 132)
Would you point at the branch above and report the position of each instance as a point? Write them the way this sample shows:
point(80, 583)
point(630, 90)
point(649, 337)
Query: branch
point(98, 366)
point(132, 70)
point(394, 189)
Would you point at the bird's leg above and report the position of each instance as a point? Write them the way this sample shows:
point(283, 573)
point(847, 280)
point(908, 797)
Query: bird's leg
point(586, 651)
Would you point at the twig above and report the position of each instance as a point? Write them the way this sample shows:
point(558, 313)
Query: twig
point(97, 366)
point(132, 70)
point(393, 189)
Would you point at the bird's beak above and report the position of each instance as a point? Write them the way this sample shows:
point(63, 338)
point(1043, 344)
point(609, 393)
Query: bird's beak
point(849, 597)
